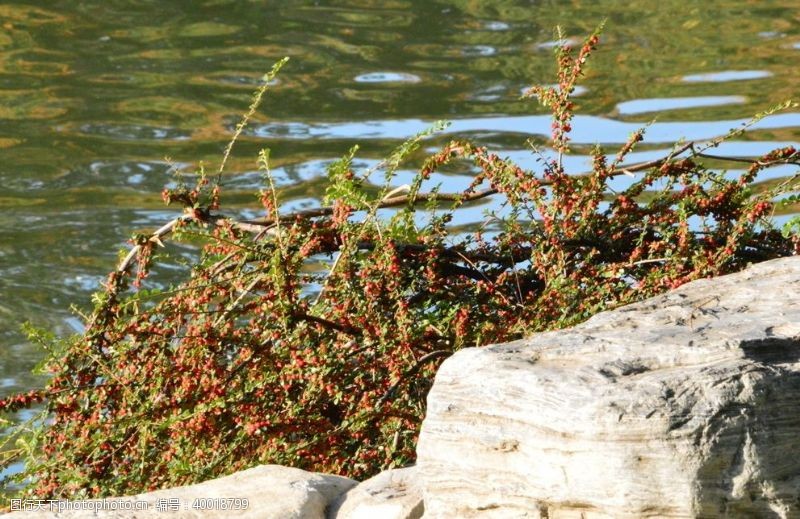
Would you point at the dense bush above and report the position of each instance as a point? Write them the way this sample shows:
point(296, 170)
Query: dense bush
point(310, 339)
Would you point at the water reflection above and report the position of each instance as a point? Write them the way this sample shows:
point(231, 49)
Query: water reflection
point(479, 50)
point(728, 75)
point(386, 77)
point(133, 132)
point(553, 44)
point(497, 26)
point(587, 129)
point(643, 106)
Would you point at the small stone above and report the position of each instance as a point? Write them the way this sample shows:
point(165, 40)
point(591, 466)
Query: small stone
point(392, 494)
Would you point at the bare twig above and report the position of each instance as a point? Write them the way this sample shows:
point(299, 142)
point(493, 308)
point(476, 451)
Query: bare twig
point(749, 161)
point(652, 260)
point(383, 204)
point(162, 232)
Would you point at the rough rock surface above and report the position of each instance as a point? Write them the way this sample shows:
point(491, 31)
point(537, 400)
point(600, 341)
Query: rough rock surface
point(272, 491)
point(684, 405)
point(392, 494)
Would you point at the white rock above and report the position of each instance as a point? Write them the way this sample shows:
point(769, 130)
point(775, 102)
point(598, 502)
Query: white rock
point(684, 405)
point(392, 494)
point(271, 491)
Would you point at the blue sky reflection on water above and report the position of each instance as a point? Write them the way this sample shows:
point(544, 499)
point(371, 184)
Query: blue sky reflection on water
point(587, 129)
point(643, 106)
point(728, 75)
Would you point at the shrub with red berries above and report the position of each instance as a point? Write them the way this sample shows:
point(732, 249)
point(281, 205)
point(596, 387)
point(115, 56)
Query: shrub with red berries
point(311, 338)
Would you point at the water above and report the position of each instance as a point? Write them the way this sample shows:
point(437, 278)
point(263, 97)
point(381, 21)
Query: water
point(100, 99)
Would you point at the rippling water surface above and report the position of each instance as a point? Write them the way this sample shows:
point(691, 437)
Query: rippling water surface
point(99, 99)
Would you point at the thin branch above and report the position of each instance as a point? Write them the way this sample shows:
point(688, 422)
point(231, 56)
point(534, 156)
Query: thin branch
point(411, 372)
point(651, 260)
point(383, 204)
point(162, 231)
point(266, 81)
point(233, 305)
point(749, 161)
point(349, 330)
point(641, 166)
